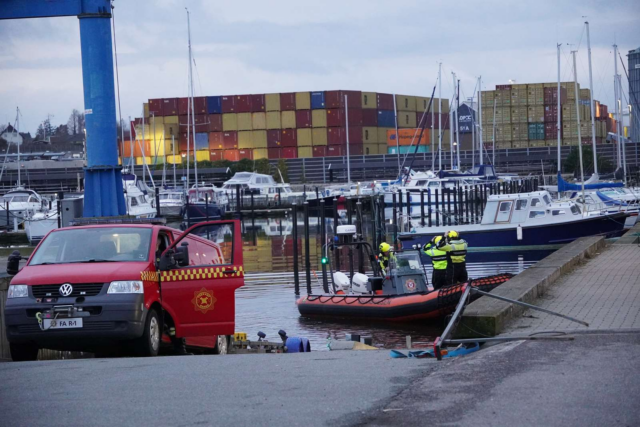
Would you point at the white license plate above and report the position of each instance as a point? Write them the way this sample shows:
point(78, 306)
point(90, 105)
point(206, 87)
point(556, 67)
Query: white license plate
point(63, 323)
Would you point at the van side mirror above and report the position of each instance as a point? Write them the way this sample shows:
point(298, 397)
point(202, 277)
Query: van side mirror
point(167, 261)
point(13, 263)
point(182, 255)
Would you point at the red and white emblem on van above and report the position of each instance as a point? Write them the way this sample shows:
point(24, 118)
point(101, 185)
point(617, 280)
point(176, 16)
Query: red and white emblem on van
point(203, 300)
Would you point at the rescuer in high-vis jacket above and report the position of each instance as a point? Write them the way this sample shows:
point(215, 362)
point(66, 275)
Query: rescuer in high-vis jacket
point(384, 256)
point(456, 248)
point(439, 259)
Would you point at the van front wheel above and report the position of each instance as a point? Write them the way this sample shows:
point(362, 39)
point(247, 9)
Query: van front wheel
point(148, 344)
point(21, 352)
point(222, 345)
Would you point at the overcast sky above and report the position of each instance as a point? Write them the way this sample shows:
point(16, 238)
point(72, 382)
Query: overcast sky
point(297, 45)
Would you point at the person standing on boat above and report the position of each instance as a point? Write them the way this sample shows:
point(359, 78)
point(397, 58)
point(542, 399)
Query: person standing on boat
point(439, 258)
point(456, 249)
point(384, 256)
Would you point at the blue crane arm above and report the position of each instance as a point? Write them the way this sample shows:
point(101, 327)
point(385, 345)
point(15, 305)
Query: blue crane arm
point(17, 9)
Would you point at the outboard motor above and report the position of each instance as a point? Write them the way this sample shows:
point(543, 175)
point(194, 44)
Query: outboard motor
point(360, 284)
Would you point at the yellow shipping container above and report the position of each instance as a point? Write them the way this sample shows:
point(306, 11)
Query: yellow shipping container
point(259, 139)
point(503, 98)
point(422, 102)
point(370, 148)
point(519, 96)
point(519, 114)
point(570, 129)
point(370, 135)
point(141, 131)
point(503, 133)
point(503, 115)
point(319, 118)
point(535, 114)
point(405, 103)
point(171, 119)
point(143, 160)
point(245, 139)
point(158, 122)
point(272, 102)
point(369, 100)
point(319, 136)
point(586, 130)
point(170, 147)
point(202, 155)
point(436, 106)
point(303, 100)
point(537, 144)
point(446, 141)
point(261, 153)
point(382, 148)
point(503, 144)
point(382, 135)
point(157, 147)
point(488, 98)
point(273, 120)
point(520, 144)
point(229, 122)
point(171, 129)
point(304, 138)
point(305, 152)
point(407, 119)
point(145, 109)
point(520, 131)
point(176, 159)
point(244, 121)
point(585, 94)
point(551, 143)
point(259, 121)
point(570, 141)
point(535, 96)
point(288, 120)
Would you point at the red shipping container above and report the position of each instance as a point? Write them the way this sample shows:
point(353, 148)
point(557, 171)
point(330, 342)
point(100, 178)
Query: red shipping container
point(273, 153)
point(243, 103)
point(138, 122)
point(355, 135)
point(274, 139)
point(200, 119)
point(503, 87)
point(550, 113)
point(335, 150)
point(335, 117)
point(215, 141)
point(245, 154)
point(356, 149)
point(335, 98)
point(369, 117)
point(215, 122)
point(231, 155)
point(385, 101)
point(303, 118)
point(200, 104)
point(289, 153)
point(170, 107)
point(289, 138)
point(551, 96)
point(257, 103)
point(336, 136)
point(288, 101)
point(216, 155)
point(445, 121)
point(155, 107)
point(228, 104)
point(230, 140)
point(355, 116)
point(183, 106)
point(551, 131)
point(320, 151)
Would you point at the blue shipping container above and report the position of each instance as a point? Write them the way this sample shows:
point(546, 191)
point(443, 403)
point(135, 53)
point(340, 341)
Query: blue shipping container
point(202, 141)
point(214, 104)
point(386, 119)
point(317, 100)
point(404, 149)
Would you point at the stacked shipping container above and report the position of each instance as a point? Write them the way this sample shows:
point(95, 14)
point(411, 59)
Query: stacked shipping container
point(526, 115)
point(283, 125)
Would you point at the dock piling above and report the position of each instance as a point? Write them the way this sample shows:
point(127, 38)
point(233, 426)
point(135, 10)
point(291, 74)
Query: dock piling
point(429, 206)
point(437, 210)
point(395, 220)
point(307, 255)
point(335, 231)
point(422, 207)
point(294, 235)
point(323, 241)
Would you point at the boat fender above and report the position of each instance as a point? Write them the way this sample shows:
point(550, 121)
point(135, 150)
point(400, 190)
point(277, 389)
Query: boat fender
point(519, 232)
point(294, 345)
point(306, 345)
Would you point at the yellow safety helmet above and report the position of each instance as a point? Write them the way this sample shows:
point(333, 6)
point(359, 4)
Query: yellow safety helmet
point(436, 239)
point(453, 234)
point(385, 247)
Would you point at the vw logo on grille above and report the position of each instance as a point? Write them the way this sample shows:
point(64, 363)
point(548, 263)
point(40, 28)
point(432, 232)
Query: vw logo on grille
point(66, 289)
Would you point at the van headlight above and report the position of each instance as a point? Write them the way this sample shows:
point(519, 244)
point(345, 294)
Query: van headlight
point(18, 291)
point(126, 287)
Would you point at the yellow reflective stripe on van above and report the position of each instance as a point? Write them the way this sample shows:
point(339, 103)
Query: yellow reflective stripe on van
point(198, 273)
point(149, 276)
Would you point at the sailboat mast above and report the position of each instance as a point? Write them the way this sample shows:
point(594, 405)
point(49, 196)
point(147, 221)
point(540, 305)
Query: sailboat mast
point(615, 87)
point(131, 147)
point(452, 117)
point(144, 156)
point(559, 114)
point(440, 116)
point(592, 104)
point(620, 132)
point(193, 110)
point(575, 83)
point(173, 150)
point(346, 122)
point(473, 131)
point(493, 144)
point(18, 142)
point(480, 142)
point(458, 125)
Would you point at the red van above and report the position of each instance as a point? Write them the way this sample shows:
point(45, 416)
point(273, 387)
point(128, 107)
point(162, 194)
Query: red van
point(132, 287)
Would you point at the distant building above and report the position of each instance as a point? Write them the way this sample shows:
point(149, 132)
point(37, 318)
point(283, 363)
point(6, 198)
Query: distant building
point(634, 93)
point(466, 118)
point(11, 136)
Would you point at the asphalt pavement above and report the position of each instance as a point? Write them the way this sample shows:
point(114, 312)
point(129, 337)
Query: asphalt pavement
point(590, 381)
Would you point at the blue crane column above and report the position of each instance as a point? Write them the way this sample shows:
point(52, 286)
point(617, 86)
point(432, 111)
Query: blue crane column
point(102, 177)
point(103, 182)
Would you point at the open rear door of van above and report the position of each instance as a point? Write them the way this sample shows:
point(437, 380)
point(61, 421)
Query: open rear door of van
point(200, 294)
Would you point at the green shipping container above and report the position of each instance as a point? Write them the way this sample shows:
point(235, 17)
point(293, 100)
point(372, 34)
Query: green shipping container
point(405, 149)
point(536, 131)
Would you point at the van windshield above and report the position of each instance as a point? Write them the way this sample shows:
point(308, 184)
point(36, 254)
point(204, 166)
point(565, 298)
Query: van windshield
point(85, 245)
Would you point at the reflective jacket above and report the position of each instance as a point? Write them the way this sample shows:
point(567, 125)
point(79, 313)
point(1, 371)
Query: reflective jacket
point(438, 256)
point(384, 260)
point(457, 250)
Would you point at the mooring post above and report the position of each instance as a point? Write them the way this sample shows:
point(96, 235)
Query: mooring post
point(437, 210)
point(279, 196)
point(455, 206)
point(408, 206)
point(323, 242)
point(238, 201)
point(335, 231)
point(422, 207)
point(294, 235)
point(383, 222)
point(374, 218)
point(429, 206)
point(535, 182)
point(449, 206)
point(360, 231)
point(395, 219)
point(157, 198)
point(206, 205)
point(58, 205)
point(475, 197)
point(466, 204)
point(400, 204)
point(307, 255)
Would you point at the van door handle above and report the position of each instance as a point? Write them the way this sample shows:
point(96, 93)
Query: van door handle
point(229, 271)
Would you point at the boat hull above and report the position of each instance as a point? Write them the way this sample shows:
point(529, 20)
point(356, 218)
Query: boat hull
point(196, 212)
point(396, 308)
point(532, 236)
